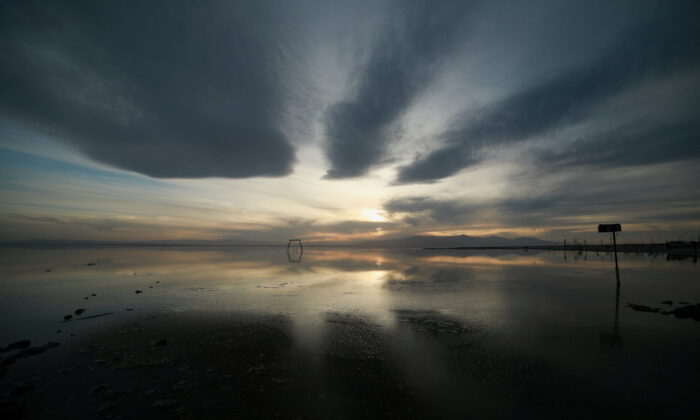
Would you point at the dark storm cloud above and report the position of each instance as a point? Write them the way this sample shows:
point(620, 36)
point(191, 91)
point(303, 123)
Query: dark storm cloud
point(579, 196)
point(635, 144)
point(167, 89)
point(441, 211)
point(402, 63)
point(654, 51)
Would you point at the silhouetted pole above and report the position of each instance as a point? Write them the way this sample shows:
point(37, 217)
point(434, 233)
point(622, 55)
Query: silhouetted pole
point(617, 276)
point(617, 270)
point(614, 228)
point(617, 294)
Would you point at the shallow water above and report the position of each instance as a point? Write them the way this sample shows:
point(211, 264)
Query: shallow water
point(530, 308)
point(514, 295)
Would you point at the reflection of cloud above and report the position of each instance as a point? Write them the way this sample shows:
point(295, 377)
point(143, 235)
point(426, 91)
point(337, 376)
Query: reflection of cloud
point(422, 275)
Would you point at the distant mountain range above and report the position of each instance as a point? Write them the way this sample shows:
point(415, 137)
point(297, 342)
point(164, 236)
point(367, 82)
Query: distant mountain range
point(453, 242)
point(407, 242)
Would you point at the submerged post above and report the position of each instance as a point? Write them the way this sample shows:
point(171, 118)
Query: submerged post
point(614, 228)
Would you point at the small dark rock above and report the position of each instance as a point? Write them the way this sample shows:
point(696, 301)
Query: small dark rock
point(164, 403)
point(94, 294)
point(31, 351)
point(106, 407)
point(667, 302)
point(68, 317)
point(91, 264)
point(58, 331)
point(129, 309)
point(688, 311)
point(22, 344)
point(680, 302)
point(86, 298)
point(150, 287)
point(48, 270)
point(99, 387)
point(138, 291)
point(642, 308)
point(80, 311)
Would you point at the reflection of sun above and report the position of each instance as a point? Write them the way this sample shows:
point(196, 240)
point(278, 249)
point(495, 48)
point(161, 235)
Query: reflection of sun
point(373, 215)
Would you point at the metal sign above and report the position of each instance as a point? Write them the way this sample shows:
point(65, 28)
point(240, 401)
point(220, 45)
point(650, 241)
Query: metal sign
point(610, 228)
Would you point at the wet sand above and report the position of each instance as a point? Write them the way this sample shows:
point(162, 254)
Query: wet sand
point(242, 365)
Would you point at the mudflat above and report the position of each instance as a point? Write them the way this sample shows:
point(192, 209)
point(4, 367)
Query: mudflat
point(199, 364)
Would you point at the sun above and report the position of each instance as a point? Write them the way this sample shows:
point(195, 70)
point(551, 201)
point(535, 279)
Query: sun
point(373, 215)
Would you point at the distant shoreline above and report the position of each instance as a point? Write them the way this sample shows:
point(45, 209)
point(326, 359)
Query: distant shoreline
point(672, 248)
point(659, 248)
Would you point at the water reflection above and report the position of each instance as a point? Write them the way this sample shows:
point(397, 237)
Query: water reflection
point(505, 289)
point(442, 322)
point(294, 250)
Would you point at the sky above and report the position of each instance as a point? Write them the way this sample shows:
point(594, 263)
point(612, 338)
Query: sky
point(348, 120)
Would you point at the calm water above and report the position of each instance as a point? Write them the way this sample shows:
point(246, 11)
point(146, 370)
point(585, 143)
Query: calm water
point(523, 296)
point(555, 309)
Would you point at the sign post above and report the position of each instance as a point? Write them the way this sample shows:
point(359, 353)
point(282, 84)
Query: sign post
point(614, 228)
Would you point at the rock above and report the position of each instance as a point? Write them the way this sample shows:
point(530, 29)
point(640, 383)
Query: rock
point(129, 309)
point(680, 302)
point(688, 311)
point(58, 331)
point(68, 317)
point(667, 302)
point(94, 294)
point(159, 342)
point(138, 291)
point(86, 298)
point(256, 369)
point(31, 351)
point(95, 316)
point(165, 403)
point(91, 264)
point(642, 308)
point(22, 344)
point(80, 311)
point(106, 407)
point(100, 387)
point(48, 270)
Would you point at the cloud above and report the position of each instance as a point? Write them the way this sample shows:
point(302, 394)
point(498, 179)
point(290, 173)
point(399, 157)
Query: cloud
point(403, 61)
point(166, 89)
point(634, 144)
point(653, 51)
point(565, 198)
